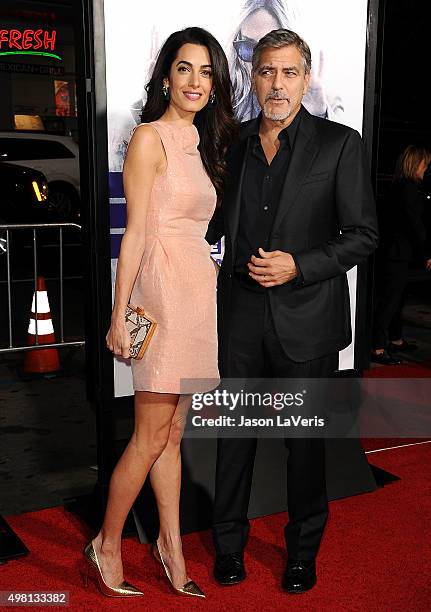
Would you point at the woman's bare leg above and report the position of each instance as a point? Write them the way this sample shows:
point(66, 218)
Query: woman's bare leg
point(165, 476)
point(153, 417)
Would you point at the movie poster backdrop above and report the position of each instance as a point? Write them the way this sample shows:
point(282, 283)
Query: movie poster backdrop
point(134, 31)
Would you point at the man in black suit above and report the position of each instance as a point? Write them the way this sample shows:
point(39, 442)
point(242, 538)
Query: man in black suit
point(298, 212)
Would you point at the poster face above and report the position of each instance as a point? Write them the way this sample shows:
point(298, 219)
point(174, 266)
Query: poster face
point(135, 30)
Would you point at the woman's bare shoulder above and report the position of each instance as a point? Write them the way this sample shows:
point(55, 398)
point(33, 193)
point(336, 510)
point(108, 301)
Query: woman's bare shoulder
point(146, 141)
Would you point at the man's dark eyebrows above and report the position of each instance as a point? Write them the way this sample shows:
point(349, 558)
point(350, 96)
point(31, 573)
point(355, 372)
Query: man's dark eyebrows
point(271, 67)
point(265, 67)
point(190, 64)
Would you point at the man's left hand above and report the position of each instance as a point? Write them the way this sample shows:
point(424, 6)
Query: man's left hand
point(272, 268)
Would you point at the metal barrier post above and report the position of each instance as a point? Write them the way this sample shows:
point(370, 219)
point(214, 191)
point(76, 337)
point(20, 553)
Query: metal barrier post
point(35, 228)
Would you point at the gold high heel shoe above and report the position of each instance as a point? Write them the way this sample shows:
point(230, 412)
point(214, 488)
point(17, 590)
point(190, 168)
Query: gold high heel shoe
point(190, 588)
point(122, 590)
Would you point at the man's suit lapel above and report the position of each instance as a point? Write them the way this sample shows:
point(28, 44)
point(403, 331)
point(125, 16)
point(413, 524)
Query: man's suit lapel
point(305, 149)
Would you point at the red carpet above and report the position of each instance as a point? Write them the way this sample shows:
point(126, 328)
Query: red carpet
point(371, 444)
point(405, 370)
point(374, 557)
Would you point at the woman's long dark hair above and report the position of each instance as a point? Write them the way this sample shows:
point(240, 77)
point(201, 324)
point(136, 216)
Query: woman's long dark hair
point(215, 122)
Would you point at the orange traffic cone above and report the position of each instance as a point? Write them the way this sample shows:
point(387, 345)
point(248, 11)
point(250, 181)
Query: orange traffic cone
point(39, 361)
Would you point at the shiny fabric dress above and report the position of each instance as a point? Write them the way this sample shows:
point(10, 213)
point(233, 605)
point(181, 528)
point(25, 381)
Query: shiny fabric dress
point(176, 281)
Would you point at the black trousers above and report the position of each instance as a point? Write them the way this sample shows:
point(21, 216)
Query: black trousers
point(255, 351)
point(391, 280)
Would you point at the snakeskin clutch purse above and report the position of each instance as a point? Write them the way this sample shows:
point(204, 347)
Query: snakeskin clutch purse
point(141, 328)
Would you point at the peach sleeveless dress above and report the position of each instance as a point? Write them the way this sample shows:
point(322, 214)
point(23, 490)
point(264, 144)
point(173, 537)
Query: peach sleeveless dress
point(176, 281)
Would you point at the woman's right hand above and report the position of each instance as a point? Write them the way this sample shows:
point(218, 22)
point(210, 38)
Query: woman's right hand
point(118, 338)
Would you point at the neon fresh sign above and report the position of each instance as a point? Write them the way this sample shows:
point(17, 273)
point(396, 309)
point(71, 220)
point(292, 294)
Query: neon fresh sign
point(28, 42)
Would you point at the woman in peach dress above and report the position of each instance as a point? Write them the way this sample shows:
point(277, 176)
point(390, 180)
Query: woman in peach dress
point(164, 266)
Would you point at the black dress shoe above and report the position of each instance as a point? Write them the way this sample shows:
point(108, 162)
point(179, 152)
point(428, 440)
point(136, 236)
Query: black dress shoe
point(300, 576)
point(229, 569)
point(385, 358)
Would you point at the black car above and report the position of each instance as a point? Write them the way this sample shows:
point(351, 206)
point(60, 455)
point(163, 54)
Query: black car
point(23, 196)
point(24, 199)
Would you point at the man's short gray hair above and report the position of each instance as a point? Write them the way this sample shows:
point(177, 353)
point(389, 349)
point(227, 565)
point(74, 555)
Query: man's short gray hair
point(282, 38)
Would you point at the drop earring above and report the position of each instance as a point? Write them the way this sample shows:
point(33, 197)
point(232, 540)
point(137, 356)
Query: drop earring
point(212, 98)
point(165, 91)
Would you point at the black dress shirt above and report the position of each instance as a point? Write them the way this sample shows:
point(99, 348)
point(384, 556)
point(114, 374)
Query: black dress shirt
point(261, 190)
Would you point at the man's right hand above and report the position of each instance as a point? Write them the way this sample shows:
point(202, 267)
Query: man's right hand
point(272, 268)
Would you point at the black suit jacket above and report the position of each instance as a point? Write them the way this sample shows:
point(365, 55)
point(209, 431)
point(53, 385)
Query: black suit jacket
point(325, 218)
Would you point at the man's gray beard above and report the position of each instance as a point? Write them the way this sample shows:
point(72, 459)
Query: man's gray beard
point(275, 117)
